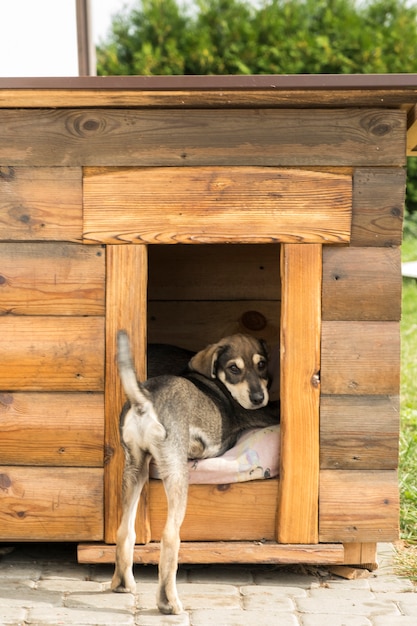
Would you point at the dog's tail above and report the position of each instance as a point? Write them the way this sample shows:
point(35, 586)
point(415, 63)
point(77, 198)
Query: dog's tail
point(151, 428)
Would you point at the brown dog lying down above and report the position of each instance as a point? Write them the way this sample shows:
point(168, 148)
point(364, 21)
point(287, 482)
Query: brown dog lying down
point(175, 418)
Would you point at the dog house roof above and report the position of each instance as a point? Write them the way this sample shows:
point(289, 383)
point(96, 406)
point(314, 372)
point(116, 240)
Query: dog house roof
point(266, 91)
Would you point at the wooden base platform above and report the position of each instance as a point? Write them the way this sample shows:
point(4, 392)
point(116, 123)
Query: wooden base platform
point(222, 552)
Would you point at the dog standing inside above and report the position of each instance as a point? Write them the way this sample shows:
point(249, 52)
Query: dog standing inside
point(176, 418)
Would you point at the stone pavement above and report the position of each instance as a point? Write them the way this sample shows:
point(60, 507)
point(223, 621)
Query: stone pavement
point(43, 585)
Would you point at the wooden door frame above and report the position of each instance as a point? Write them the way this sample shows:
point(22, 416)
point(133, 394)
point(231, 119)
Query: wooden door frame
point(301, 276)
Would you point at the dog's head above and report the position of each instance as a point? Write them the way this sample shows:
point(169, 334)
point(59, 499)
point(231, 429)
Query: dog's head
point(240, 362)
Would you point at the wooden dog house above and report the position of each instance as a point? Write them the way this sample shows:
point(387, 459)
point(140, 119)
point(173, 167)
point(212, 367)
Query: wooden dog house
point(284, 196)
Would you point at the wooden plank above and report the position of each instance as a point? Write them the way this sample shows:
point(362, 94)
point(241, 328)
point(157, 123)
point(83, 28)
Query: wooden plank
point(39, 203)
point(301, 270)
point(412, 131)
point(215, 205)
point(244, 511)
point(51, 504)
point(359, 506)
point(211, 91)
point(361, 283)
point(52, 353)
point(378, 206)
point(214, 272)
point(52, 429)
point(127, 273)
point(51, 279)
point(363, 554)
point(360, 358)
point(222, 552)
point(359, 432)
point(194, 325)
point(203, 136)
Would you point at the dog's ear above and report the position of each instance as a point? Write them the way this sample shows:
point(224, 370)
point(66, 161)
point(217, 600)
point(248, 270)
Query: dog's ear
point(204, 362)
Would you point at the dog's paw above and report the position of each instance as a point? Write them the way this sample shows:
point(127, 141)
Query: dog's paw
point(170, 608)
point(122, 584)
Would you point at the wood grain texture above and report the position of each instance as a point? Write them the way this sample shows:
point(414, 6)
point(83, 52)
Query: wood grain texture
point(51, 504)
point(360, 358)
point(39, 203)
point(52, 353)
point(301, 269)
point(378, 206)
point(359, 432)
point(214, 272)
point(364, 554)
point(168, 205)
point(194, 325)
point(127, 273)
point(222, 552)
point(52, 429)
point(243, 511)
point(52, 279)
point(112, 136)
point(359, 506)
point(361, 283)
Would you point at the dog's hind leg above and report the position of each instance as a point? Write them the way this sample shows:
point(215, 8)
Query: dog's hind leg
point(134, 477)
point(176, 489)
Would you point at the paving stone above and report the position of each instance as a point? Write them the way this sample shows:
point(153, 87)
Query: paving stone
point(12, 615)
point(154, 618)
point(19, 571)
point(342, 592)
point(63, 585)
point(102, 601)
point(66, 570)
point(275, 590)
point(200, 596)
point(229, 575)
point(25, 597)
point(340, 606)
point(284, 578)
point(243, 618)
point(391, 583)
point(401, 620)
point(263, 600)
point(359, 583)
point(336, 620)
point(65, 616)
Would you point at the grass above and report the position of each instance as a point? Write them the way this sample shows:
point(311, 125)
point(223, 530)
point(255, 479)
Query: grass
point(406, 557)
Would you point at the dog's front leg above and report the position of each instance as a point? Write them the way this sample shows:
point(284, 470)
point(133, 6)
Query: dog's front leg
point(134, 478)
point(176, 489)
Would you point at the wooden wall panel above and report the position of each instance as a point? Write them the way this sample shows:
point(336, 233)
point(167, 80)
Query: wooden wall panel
point(361, 283)
point(358, 506)
point(193, 325)
point(51, 504)
point(378, 206)
point(52, 353)
point(127, 137)
point(52, 429)
point(168, 205)
point(52, 279)
point(38, 203)
point(360, 358)
point(243, 511)
point(359, 432)
point(214, 272)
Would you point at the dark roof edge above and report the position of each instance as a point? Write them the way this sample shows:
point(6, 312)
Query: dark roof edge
point(287, 82)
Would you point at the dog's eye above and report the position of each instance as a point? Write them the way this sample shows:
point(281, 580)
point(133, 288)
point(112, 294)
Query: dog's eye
point(262, 365)
point(234, 368)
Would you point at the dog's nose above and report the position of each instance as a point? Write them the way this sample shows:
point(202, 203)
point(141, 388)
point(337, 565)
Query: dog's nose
point(257, 397)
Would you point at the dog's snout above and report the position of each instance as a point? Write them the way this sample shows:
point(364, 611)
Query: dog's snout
point(257, 397)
